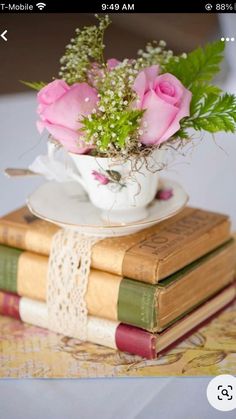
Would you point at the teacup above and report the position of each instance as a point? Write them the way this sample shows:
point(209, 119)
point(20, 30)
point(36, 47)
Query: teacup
point(121, 190)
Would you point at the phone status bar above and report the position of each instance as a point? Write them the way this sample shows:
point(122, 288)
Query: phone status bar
point(119, 6)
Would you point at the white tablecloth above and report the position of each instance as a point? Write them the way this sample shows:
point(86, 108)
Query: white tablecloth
point(143, 398)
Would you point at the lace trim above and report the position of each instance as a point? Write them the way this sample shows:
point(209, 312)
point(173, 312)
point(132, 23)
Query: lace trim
point(68, 274)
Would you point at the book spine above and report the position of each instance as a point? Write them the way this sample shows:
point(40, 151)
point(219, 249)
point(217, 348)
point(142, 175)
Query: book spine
point(25, 231)
point(9, 305)
point(175, 244)
point(137, 304)
point(23, 272)
point(13, 235)
point(103, 332)
point(9, 259)
point(136, 341)
point(108, 296)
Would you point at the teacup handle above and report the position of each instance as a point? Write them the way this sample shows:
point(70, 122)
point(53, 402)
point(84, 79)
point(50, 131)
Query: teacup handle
point(52, 150)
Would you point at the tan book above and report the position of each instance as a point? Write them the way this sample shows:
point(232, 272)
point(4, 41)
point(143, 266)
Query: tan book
point(149, 255)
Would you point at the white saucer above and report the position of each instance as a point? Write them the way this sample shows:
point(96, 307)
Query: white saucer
point(66, 205)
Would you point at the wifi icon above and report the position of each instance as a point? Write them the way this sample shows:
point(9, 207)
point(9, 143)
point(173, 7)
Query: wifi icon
point(40, 6)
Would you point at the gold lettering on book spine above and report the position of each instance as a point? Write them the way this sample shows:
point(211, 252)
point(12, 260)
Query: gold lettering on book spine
point(110, 252)
point(168, 241)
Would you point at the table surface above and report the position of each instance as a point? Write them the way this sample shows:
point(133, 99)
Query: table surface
point(32, 352)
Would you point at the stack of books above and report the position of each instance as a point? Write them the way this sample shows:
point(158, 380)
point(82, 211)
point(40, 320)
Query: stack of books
point(145, 292)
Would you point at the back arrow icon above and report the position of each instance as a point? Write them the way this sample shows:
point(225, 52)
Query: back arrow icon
point(3, 35)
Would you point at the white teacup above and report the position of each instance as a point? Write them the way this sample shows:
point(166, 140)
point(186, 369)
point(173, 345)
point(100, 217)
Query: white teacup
point(121, 190)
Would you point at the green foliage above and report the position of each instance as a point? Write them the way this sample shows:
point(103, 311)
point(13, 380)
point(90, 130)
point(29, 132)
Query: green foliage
point(200, 65)
point(210, 110)
point(34, 84)
point(202, 93)
point(216, 113)
point(114, 132)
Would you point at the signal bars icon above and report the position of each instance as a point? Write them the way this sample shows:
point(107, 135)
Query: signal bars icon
point(40, 6)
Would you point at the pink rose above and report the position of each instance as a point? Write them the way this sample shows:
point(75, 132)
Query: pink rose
point(165, 100)
point(102, 179)
point(61, 108)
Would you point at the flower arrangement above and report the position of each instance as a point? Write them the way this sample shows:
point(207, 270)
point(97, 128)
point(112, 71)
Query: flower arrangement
point(110, 108)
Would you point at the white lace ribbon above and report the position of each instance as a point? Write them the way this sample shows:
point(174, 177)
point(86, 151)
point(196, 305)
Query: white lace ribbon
point(68, 275)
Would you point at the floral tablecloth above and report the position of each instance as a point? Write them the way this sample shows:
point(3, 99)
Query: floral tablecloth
point(28, 351)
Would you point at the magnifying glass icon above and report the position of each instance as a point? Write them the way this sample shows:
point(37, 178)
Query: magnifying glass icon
point(224, 392)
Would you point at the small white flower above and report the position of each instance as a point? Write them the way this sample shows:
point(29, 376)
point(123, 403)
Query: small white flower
point(87, 99)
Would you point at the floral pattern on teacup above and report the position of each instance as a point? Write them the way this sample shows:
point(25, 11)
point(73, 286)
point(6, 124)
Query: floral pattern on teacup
point(164, 194)
point(109, 177)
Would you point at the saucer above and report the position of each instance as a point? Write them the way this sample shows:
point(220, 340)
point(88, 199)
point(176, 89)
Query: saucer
point(67, 205)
